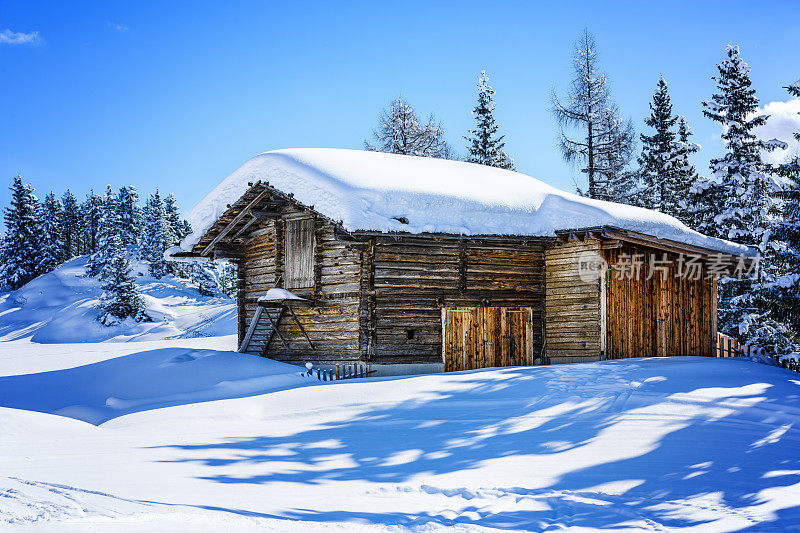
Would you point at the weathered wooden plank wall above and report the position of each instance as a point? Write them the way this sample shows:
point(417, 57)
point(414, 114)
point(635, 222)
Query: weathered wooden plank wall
point(661, 316)
point(332, 321)
point(572, 304)
point(407, 280)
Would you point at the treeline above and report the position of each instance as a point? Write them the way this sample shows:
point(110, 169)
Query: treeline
point(743, 199)
point(112, 229)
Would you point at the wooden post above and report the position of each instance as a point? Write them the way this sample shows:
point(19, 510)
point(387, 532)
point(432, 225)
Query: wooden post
point(337, 372)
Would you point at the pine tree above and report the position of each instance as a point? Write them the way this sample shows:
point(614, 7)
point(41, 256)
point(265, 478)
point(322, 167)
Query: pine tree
point(70, 225)
point(120, 299)
point(130, 215)
point(205, 276)
point(91, 213)
point(52, 250)
point(744, 189)
point(681, 205)
point(154, 236)
point(108, 234)
point(589, 109)
point(228, 282)
point(659, 152)
point(400, 132)
point(485, 147)
point(177, 228)
point(614, 182)
point(20, 252)
point(784, 293)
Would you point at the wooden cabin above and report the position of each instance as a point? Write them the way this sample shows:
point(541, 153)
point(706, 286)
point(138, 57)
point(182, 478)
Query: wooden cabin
point(420, 265)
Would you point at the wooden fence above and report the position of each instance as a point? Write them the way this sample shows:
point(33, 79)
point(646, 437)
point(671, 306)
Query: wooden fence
point(730, 347)
point(338, 372)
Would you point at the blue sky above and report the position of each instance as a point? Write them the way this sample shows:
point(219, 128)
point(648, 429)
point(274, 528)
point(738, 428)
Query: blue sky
point(176, 95)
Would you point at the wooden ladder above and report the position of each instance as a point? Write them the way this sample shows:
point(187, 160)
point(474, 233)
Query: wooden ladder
point(273, 315)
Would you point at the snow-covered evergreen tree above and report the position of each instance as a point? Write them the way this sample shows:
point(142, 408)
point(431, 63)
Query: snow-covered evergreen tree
point(130, 215)
point(783, 293)
point(589, 109)
point(228, 282)
point(401, 132)
point(52, 250)
point(177, 228)
point(154, 236)
point(91, 213)
point(120, 299)
point(485, 146)
point(744, 189)
point(20, 252)
point(70, 224)
point(659, 152)
point(205, 276)
point(614, 181)
point(108, 233)
point(685, 176)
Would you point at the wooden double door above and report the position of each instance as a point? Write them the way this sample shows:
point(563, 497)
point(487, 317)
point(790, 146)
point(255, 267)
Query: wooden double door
point(481, 337)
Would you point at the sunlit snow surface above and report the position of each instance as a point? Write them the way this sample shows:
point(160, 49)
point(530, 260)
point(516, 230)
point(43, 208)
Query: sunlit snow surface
point(375, 191)
point(680, 444)
point(61, 306)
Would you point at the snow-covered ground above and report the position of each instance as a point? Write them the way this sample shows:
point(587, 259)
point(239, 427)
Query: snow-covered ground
point(189, 437)
point(61, 306)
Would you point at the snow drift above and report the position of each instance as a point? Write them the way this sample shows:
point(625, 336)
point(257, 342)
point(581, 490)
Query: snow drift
point(389, 192)
point(61, 306)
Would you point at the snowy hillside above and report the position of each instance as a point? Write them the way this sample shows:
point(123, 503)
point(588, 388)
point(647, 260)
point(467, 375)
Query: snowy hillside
point(61, 306)
point(678, 444)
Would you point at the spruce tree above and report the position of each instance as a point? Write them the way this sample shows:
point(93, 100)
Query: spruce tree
point(130, 215)
point(52, 250)
point(120, 299)
point(744, 196)
point(680, 205)
point(659, 152)
point(154, 236)
point(20, 252)
point(177, 228)
point(228, 279)
point(108, 234)
point(784, 293)
point(614, 182)
point(205, 276)
point(91, 213)
point(70, 225)
point(401, 132)
point(485, 147)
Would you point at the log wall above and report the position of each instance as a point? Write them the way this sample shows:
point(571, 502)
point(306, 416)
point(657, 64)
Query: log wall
point(331, 318)
point(406, 281)
point(573, 306)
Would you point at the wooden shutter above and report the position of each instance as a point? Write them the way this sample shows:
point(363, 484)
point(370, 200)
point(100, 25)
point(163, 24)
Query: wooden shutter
point(299, 253)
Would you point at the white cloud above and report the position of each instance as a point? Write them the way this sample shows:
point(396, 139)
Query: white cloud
point(119, 27)
point(14, 38)
point(782, 124)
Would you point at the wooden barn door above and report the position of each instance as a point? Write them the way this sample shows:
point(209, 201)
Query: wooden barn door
point(658, 317)
point(481, 337)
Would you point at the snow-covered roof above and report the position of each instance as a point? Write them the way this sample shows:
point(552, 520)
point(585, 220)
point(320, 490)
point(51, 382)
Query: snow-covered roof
point(375, 191)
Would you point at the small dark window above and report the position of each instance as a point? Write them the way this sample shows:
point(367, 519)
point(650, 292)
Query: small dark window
point(410, 334)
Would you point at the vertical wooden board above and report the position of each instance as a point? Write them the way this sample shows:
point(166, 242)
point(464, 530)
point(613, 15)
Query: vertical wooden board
point(529, 337)
point(489, 325)
point(299, 253)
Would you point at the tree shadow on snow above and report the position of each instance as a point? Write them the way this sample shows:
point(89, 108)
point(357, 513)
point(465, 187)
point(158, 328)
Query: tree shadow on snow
point(710, 451)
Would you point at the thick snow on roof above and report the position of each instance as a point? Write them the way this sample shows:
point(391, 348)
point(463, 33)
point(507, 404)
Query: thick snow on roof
point(372, 190)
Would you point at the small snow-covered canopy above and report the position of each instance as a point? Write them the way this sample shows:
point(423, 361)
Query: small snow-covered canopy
point(279, 295)
point(374, 191)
